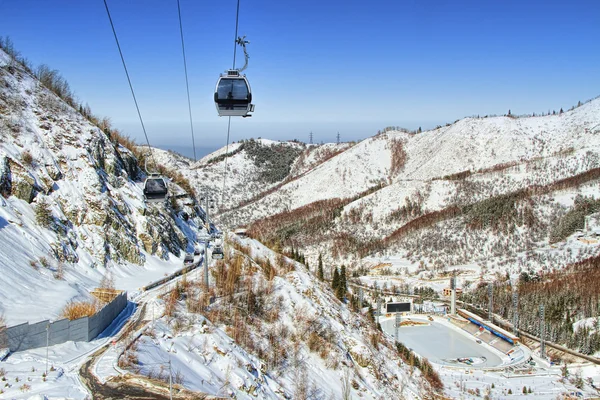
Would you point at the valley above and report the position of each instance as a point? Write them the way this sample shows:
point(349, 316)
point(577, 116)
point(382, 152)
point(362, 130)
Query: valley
point(270, 268)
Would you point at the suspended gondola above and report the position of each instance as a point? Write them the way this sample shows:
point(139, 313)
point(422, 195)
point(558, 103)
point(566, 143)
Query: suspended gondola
point(188, 259)
point(233, 96)
point(155, 189)
point(217, 253)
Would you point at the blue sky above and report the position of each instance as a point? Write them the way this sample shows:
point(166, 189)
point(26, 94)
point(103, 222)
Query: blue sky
point(320, 66)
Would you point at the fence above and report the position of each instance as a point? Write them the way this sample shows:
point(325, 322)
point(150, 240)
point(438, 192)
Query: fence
point(30, 336)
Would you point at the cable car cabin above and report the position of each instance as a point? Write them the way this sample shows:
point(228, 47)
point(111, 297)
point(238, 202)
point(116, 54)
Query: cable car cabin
point(217, 253)
point(233, 95)
point(155, 189)
point(188, 259)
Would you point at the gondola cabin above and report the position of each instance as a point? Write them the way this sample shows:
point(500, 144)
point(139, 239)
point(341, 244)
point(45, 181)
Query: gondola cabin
point(217, 253)
point(155, 188)
point(188, 259)
point(233, 95)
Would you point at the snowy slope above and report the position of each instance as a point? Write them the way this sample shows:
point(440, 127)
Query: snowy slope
point(97, 221)
point(209, 360)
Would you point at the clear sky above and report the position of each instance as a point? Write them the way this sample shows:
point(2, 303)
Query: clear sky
point(321, 66)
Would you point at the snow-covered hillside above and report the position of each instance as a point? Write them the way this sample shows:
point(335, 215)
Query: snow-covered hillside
point(378, 179)
point(309, 344)
point(72, 208)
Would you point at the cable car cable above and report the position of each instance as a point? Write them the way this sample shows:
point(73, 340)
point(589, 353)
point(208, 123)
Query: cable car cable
point(226, 157)
point(131, 86)
point(187, 85)
point(237, 19)
point(235, 37)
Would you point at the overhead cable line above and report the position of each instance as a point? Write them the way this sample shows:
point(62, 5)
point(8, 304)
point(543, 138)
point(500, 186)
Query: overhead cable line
point(235, 37)
point(131, 86)
point(235, 42)
point(187, 85)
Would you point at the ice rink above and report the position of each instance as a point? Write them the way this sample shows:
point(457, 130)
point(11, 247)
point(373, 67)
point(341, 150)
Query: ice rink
point(443, 345)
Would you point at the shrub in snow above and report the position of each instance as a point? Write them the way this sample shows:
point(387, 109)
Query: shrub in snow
point(43, 215)
point(79, 309)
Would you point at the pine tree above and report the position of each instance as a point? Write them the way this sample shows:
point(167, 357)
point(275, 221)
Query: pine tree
point(320, 268)
point(343, 282)
point(340, 291)
point(561, 111)
point(335, 282)
point(371, 314)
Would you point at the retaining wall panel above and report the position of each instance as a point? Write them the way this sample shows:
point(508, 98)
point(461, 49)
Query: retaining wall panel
point(37, 334)
point(59, 331)
point(17, 336)
point(78, 330)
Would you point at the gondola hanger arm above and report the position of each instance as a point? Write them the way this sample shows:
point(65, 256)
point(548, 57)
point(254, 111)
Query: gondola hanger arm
point(243, 42)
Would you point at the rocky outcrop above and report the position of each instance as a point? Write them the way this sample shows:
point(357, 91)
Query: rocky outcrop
point(86, 177)
point(22, 182)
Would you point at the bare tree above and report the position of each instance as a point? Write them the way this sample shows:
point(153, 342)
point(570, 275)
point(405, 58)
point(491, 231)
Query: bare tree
point(107, 281)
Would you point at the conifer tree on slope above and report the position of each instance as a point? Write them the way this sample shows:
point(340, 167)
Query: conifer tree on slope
point(320, 268)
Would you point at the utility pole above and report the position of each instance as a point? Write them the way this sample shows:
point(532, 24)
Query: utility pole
point(47, 345)
point(170, 380)
point(542, 332)
point(515, 313)
point(453, 295)
point(491, 302)
point(310, 137)
point(338, 138)
point(360, 297)
point(170, 374)
point(205, 257)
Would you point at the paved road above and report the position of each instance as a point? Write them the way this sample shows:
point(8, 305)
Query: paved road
point(128, 389)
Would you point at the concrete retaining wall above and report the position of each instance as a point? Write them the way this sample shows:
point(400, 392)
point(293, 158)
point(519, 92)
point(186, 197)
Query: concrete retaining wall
point(30, 336)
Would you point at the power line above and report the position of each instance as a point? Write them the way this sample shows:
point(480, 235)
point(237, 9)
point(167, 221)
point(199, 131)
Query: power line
point(130, 85)
point(187, 85)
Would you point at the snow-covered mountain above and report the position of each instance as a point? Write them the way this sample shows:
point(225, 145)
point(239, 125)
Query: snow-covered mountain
point(72, 207)
point(379, 185)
